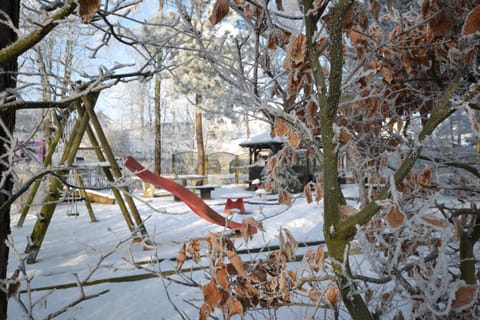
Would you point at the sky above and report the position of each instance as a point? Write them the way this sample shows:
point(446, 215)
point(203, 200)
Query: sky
point(74, 245)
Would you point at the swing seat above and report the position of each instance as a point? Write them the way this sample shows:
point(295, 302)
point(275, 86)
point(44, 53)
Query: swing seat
point(72, 214)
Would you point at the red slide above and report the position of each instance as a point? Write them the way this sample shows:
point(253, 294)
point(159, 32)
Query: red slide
point(188, 197)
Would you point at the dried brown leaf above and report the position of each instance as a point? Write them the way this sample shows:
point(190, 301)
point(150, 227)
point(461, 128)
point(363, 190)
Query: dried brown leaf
point(284, 197)
point(212, 294)
point(318, 191)
point(14, 284)
point(319, 255)
point(281, 241)
point(294, 139)
point(395, 217)
point(291, 239)
point(267, 186)
point(464, 297)
point(441, 223)
point(387, 74)
point(221, 275)
point(280, 127)
point(88, 9)
point(249, 227)
point(282, 282)
point(204, 312)
point(333, 295)
point(376, 7)
point(194, 250)
point(472, 22)
point(220, 10)
point(314, 294)
point(427, 172)
point(307, 191)
point(214, 246)
point(237, 263)
point(234, 306)
point(181, 257)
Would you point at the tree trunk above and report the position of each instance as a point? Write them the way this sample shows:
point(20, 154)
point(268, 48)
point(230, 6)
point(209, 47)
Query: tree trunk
point(7, 81)
point(199, 136)
point(468, 239)
point(158, 128)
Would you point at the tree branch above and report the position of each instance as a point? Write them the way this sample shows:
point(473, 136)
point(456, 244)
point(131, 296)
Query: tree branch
point(26, 42)
point(441, 112)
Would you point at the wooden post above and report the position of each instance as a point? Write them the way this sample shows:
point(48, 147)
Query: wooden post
point(84, 195)
point(47, 161)
point(113, 164)
point(47, 210)
point(205, 161)
point(237, 169)
point(109, 176)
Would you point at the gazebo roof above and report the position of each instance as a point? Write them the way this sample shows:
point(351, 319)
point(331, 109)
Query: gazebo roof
point(263, 140)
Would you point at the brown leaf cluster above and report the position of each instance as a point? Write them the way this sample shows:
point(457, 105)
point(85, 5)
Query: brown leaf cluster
point(298, 69)
point(217, 297)
point(235, 285)
point(315, 259)
point(193, 249)
point(288, 245)
point(278, 37)
point(317, 191)
point(420, 47)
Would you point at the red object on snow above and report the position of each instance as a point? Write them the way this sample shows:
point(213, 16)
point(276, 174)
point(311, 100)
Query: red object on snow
point(188, 197)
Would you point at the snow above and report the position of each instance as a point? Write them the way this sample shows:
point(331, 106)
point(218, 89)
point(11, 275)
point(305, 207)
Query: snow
point(264, 137)
point(74, 246)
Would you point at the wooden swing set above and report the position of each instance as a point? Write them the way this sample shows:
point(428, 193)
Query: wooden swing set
point(88, 122)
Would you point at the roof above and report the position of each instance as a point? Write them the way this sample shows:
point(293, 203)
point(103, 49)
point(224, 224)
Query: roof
point(263, 140)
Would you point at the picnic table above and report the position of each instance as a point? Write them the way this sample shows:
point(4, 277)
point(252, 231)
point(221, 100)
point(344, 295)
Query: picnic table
point(235, 201)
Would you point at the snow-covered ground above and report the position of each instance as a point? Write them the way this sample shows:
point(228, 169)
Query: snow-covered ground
point(73, 246)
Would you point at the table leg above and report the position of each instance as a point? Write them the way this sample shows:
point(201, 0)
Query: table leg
point(235, 204)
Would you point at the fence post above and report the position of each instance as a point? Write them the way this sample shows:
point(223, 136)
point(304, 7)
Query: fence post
point(237, 169)
point(173, 163)
point(206, 168)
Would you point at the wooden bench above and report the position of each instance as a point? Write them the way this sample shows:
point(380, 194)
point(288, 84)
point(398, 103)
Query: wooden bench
point(205, 190)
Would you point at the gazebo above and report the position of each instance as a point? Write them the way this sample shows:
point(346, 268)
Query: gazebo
point(260, 147)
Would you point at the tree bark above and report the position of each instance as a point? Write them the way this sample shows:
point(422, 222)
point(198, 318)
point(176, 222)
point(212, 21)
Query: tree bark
point(199, 136)
point(158, 128)
point(7, 81)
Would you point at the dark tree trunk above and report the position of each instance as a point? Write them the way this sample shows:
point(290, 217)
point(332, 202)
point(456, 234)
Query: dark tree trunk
point(158, 128)
point(199, 136)
point(11, 9)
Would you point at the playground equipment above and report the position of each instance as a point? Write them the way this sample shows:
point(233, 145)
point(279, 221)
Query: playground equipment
point(198, 206)
point(88, 122)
